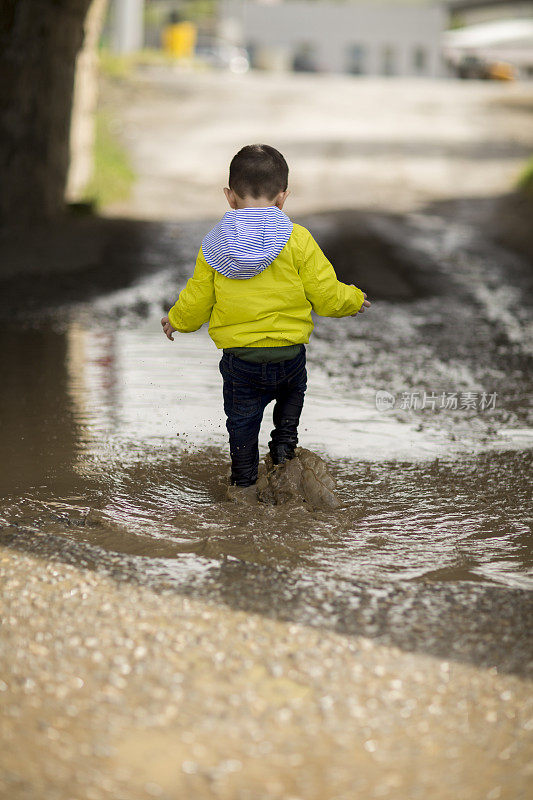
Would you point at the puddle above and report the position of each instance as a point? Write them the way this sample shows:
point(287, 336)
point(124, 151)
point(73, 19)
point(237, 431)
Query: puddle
point(459, 520)
point(115, 438)
point(122, 445)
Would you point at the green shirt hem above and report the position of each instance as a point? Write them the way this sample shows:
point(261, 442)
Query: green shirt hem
point(263, 355)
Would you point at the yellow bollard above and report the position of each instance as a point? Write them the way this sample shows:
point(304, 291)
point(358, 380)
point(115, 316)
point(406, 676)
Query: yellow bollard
point(179, 39)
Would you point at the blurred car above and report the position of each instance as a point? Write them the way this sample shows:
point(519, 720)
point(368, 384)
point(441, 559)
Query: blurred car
point(472, 67)
point(220, 55)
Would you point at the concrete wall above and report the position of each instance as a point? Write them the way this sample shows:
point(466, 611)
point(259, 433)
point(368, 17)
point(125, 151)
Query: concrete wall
point(276, 32)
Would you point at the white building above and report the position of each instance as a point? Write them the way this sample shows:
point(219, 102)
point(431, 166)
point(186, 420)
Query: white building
point(367, 38)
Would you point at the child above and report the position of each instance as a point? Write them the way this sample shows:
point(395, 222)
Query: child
point(257, 278)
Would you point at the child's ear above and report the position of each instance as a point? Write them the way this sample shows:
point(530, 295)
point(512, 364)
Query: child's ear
point(280, 199)
point(230, 197)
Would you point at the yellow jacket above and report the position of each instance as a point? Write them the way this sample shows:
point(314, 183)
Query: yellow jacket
point(272, 308)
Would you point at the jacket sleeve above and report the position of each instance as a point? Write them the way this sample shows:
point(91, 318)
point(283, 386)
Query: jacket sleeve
point(328, 296)
point(195, 302)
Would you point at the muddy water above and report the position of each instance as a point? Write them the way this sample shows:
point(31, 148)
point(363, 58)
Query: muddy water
point(121, 443)
point(114, 444)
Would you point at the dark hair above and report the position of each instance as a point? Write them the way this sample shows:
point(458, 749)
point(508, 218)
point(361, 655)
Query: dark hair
point(258, 170)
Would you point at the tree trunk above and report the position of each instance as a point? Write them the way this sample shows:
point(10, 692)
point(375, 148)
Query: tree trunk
point(39, 42)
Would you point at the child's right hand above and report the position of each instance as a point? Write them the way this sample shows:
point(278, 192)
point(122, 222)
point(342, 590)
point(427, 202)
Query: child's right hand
point(168, 329)
point(366, 304)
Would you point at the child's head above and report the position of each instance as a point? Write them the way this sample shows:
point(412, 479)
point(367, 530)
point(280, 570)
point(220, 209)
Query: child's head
point(258, 176)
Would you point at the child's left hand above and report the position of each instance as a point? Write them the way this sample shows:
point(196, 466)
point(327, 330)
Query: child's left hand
point(366, 304)
point(168, 330)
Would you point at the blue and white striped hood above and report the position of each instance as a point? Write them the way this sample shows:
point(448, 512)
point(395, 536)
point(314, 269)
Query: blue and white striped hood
point(246, 241)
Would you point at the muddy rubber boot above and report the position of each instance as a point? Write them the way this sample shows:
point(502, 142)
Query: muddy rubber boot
point(281, 453)
point(302, 480)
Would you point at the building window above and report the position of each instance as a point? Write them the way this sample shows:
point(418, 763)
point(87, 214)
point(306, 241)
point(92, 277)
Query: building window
point(355, 61)
point(388, 60)
point(420, 59)
point(252, 49)
point(305, 58)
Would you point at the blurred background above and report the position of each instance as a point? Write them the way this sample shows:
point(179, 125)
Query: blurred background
point(419, 72)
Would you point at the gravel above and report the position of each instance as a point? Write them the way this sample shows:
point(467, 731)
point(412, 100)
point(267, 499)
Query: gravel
point(114, 690)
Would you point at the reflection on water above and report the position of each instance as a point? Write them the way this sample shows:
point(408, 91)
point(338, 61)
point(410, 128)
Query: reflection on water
point(117, 438)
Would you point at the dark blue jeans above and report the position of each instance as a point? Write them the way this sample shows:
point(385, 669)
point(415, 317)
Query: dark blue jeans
point(248, 389)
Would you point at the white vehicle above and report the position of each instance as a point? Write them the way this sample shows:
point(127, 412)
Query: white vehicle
point(221, 55)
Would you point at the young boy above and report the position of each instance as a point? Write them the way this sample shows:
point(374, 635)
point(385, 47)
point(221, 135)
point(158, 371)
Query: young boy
point(257, 278)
